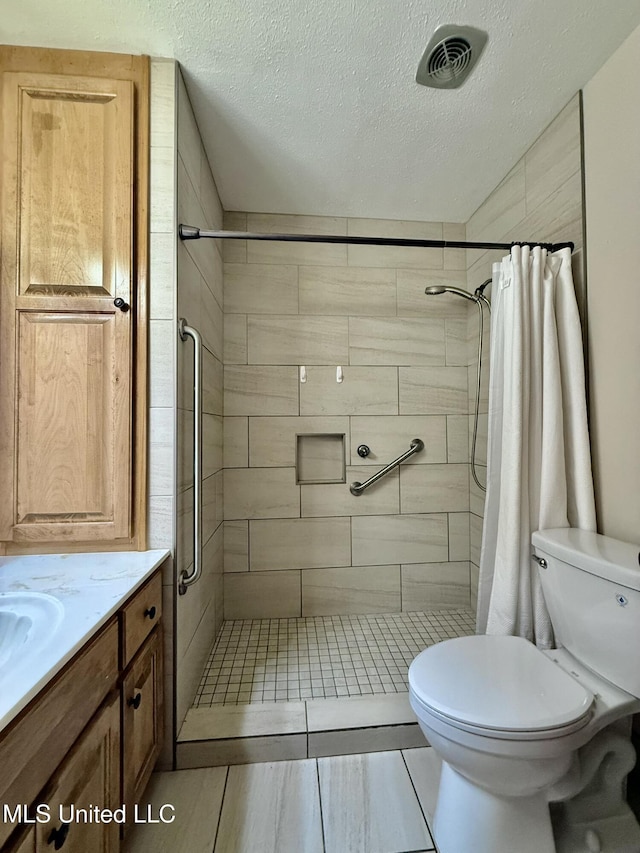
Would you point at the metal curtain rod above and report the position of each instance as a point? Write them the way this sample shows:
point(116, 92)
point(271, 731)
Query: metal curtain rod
point(190, 232)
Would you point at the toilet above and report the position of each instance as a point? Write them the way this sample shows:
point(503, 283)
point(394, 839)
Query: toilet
point(535, 745)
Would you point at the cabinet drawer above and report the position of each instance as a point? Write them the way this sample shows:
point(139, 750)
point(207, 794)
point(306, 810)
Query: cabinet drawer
point(140, 616)
point(34, 745)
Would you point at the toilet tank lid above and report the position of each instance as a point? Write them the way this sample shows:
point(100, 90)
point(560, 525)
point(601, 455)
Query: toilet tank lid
point(599, 555)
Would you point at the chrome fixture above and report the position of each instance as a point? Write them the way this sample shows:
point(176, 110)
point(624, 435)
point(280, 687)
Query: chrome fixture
point(358, 488)
point(186, 578)
point(479, 298)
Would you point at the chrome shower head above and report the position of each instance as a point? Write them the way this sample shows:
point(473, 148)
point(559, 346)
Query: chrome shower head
point(437, 289)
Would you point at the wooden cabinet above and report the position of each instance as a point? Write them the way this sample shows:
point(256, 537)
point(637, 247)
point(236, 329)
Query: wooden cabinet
point(72, 297)
point(90, 738)
point(141, 719)
point(89, 777)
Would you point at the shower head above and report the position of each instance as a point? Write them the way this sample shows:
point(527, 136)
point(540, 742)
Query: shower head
point(437, 289)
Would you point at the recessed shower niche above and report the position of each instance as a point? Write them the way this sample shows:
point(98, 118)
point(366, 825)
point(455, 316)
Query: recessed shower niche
point(320, 458)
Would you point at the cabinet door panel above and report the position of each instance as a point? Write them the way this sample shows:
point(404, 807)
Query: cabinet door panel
point(71, 172)
point(87, 779)
point(73, 426)
point(142, 718)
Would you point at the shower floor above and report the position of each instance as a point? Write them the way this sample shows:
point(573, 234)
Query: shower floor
point(321, 657)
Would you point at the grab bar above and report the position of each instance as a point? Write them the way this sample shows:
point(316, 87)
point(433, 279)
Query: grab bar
point(186, 578)
point(358, 488)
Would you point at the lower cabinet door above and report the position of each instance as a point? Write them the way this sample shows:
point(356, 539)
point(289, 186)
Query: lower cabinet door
point(86, 784)
point(142, 719)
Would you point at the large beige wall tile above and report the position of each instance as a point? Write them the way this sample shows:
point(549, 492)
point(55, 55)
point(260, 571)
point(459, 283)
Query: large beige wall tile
point(260, 390)
point(272, 441)
point(273, 595)
point(211, 323)
point(458, 536)
point(456, 342)
point(234, 251)
point(211, 511)
point(160, 520)
point(211, 444)
point(163, 103)
point(459, 437)
point(189, 142)
point(336, 499)
point(475, 538)
point(236, 546)
point(304, 543)
point(476, 495)
point(212, 374)
point(296, 253)
point(162, 166)
point(455, 259)
point(366, 589)
point(554, 157)
point(161, 438)
point(435, 586)
point(434, 488)
point(162, 249)
point(414, 302)
point(503, 210)
point(403, 340)
point(260, 289)
point(378, 540)
point(389, 436)
point(347, 290)
point(235, 339)
point(297, 340)
point(394, 256)
point(261, 493)
point(433, 390)
point(161, 363)
point(236, 442)
point(364, 390)
point(559, 218)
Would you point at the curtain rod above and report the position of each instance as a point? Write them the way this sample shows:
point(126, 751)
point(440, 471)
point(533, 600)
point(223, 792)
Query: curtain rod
point(190, 232)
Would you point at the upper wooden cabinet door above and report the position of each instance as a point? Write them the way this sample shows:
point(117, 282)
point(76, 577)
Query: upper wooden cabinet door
point(68, 226)
point(69, 175)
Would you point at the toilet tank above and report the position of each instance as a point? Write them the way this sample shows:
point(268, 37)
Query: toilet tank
point(591, 586)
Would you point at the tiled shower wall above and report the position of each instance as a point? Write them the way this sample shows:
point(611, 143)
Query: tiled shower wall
point(315, 549)
point(199, 301)
point(539, 199)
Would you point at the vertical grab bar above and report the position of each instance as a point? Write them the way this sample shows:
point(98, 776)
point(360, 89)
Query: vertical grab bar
point(186, 578)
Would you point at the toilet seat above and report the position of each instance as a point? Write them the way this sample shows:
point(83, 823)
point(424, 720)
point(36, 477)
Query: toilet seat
point(498, 687)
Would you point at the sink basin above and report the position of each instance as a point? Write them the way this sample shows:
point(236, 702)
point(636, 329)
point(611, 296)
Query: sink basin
point(28, 620)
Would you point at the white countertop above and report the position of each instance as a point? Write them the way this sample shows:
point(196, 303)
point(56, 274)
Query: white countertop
point(91, 588)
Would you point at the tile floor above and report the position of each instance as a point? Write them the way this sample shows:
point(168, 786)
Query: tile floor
point(370, 803)
point(279, 660)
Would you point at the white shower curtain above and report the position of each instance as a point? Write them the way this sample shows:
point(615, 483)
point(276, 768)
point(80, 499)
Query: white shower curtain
point(539, 465)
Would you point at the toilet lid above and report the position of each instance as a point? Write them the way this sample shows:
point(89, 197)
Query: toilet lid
point(500, 683)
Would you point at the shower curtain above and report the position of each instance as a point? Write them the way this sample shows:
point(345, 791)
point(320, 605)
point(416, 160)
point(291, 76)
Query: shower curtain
point(539, 464)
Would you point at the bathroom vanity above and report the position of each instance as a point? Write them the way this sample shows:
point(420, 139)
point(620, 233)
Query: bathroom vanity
point(84, 730)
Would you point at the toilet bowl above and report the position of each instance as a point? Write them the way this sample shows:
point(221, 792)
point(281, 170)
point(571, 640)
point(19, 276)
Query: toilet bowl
point(510, 722)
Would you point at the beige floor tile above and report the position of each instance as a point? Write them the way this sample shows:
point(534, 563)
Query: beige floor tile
point(197, 798)
point(424, 769)
point(232, 721)
point(359, 712)
point(271, 808)
point(241, 750)
point(377, 739)
point(369, 805)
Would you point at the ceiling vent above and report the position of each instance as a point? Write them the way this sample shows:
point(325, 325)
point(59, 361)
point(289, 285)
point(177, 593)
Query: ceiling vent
point(450, 56)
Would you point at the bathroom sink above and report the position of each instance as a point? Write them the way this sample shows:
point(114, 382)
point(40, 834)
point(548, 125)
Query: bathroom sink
point(28, 620)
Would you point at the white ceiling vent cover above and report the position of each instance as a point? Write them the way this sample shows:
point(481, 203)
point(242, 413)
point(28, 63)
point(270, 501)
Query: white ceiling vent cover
point(450, 56)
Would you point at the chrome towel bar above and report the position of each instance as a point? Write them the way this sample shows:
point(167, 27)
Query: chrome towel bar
point(358, 488)
point(187, 578)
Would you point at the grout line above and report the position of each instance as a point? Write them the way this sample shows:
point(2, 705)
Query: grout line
point(422, 811)
point(324, 843)
point(226, 779)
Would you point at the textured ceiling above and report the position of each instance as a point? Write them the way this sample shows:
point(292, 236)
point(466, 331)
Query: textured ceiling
point(312, 107)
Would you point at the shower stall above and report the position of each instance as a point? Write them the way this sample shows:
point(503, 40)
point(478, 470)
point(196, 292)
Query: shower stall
point(322, 360)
